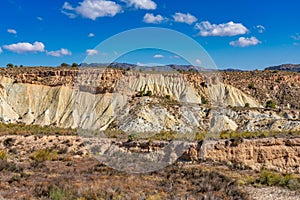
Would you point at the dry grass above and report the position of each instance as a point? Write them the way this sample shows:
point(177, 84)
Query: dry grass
point(22, 129)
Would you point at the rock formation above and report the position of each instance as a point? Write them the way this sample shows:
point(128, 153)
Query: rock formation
point(138, 102)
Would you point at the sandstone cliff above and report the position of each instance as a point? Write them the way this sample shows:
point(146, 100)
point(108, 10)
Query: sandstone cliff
point(279, 154)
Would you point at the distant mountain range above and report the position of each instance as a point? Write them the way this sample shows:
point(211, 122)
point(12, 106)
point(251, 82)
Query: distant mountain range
point(286, 67)
point(283, 67)
point(166, 67)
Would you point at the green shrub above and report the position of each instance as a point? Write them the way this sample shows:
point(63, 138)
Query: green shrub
point(168, 97)
point(247, 105)
point(22, 129)
point(140, 94)
point(270, 104)
point(205, 101)
point(164, 135)
point(131, 137)
point(43, 155)
point(3, 154)
point(200, 136)
point(60, 194)
point(251, 86)
point(270, 178)
point(148, 93)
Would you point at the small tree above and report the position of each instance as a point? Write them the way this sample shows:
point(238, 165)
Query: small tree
point(270, 104)
point(9, 65)
point(64, 65)
point(247, 105)
point(74, 65)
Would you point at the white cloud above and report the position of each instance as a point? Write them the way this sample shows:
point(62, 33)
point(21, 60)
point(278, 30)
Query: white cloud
point(92, 9)
point(23, 47)
point(149, 64)
point(91, 35)
point(12, 31)
point(227, 29)
point(296, 37)
point(1, 50)
point(175, 56)
point(244, 42)
point(39, 18)
point(59, 53)
point(70, 15)
point(68, 6)
point(141, 4)
point(260, 28)
point(198, 61)
point(152, 19)
point(158, 56)
point(184, 18)
point(91, 52)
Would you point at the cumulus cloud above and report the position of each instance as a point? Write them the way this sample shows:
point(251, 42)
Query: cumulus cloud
point(226, 29)
point(158, 56)
point(152, 19)
point(184, 18)
point(141, 4)
point(91, 35)
point(39, 18)
point(59, 53)
point(23, 47)
point(260, 28)
point(92, 9)
point(244, 42)
point(91, 52)
point(296, 37)
point(12, 31)
point(0, 50)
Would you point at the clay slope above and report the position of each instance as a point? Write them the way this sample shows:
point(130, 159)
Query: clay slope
point(133, 101)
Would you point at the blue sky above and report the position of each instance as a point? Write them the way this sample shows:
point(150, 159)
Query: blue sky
point(236, 34)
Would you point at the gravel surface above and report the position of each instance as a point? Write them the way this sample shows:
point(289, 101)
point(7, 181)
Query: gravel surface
point(272, 193)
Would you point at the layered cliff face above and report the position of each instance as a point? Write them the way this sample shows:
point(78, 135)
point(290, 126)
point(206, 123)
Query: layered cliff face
point(279, 154)
point(99, 99)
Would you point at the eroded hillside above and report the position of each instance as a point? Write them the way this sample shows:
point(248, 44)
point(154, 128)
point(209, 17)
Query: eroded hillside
point(49, 162)
point(134, 101)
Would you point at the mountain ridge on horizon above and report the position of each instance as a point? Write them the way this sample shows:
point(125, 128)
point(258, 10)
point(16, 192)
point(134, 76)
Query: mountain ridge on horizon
point(281, 67)
point(179, 67)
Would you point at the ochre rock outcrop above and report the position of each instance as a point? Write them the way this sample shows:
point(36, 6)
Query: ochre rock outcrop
point(280, 154)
